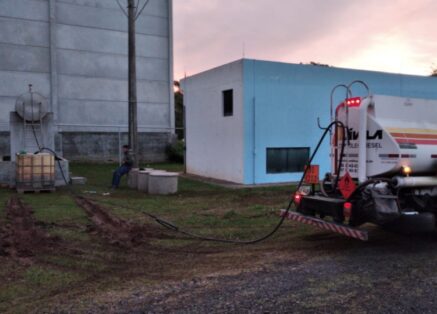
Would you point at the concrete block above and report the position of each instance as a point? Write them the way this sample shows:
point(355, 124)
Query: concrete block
point(99, 146)
point(105, 4)
point(79, 63)
point(104, 89)
point(25, 9)
point(163, 183)
point(12, 174)
point(16, 83)
point(62, 168)
point(4, 145)
point(95, 17)
point(94, 112)
point(78, 180)
point(107, 41)
point(5, 172)
point(155, 8)
point(132, 178)
point(7, 104)
point(23, 32)
point(19, 58)
point(83, 63)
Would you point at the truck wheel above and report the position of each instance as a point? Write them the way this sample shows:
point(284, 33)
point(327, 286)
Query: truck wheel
point(409, 224)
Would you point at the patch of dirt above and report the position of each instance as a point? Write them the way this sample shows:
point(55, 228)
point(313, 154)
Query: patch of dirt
point(118, 231)
point(20, 236)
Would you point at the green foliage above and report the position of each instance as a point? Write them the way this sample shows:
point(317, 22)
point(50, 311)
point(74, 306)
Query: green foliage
point(179, 110)
point(175, 151)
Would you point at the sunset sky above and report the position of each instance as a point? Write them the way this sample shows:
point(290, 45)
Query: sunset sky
point(386, 35)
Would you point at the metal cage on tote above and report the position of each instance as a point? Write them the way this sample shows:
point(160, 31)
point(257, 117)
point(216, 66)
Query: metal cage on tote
point(35, 172)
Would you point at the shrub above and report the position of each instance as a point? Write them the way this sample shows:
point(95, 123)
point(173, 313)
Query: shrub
point(175, 151)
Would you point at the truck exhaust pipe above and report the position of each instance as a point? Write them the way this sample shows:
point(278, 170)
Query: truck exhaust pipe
point(412, 182)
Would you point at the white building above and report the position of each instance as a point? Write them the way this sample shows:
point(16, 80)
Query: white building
point(255, 122)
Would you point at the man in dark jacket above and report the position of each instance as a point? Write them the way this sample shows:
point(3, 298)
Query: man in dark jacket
point(124, 168)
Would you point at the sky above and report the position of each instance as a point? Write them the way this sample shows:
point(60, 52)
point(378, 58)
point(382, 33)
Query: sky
point(397, 36)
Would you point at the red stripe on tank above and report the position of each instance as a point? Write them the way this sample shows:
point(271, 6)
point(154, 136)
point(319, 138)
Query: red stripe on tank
point(416, 141)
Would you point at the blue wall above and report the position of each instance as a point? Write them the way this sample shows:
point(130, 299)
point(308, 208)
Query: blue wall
point(283, 101)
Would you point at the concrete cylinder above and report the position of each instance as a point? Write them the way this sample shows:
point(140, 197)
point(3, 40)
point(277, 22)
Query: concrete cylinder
point(147, 169)
point(132, 178)
point(143, 180)
point(163, 183)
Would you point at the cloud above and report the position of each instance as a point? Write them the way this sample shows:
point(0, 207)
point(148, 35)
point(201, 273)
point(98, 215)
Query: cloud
point(350, 33)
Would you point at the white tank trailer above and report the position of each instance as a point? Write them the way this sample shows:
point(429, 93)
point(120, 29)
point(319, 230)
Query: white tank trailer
point(390, 153)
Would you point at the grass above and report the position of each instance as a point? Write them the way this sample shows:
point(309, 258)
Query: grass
point(85, 272)
point(35, 282)
point(85, 264)
point(55, 210)
point(40, 277)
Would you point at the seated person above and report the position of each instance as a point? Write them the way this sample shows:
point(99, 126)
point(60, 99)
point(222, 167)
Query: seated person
point(124, 168)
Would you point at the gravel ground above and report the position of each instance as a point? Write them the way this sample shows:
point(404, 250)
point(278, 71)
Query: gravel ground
point(391, 274)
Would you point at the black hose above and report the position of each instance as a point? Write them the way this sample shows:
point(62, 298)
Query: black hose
point(173, 227)
point(366, 183)
point(41, 149)
point(36, 137)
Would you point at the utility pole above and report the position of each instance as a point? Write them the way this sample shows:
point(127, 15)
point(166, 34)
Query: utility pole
point(132, 14)
point(133, 118)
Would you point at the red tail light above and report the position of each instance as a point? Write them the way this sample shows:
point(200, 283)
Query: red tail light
point(297, 198)
point(347, 210)
point(353, 102)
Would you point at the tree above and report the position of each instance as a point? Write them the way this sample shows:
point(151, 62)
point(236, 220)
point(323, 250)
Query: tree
point(179, 110)
point(319, 64)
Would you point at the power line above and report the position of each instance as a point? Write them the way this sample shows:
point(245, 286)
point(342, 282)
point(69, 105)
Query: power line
point(137, 12)
point(121, 7)
point(142, 9)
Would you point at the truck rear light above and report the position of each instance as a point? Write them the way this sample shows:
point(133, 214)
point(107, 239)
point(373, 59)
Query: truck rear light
point(347, 210)
point(406, 170)
point(297, 198)
point(353, 102)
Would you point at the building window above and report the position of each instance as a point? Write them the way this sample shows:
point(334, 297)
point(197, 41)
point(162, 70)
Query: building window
point(282, 160)
point(228, 103)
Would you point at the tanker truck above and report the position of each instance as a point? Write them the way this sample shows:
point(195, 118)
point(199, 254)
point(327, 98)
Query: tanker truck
point(383, 168)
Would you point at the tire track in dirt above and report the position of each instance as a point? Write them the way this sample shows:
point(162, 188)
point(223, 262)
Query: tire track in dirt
point(20, 236)
point(118, 231)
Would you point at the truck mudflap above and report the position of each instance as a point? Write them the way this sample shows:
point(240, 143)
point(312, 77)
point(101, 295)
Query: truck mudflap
point(326, 225)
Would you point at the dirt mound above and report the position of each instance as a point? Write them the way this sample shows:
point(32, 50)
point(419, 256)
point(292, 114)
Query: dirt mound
point(116, 230)
point(20, 236)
